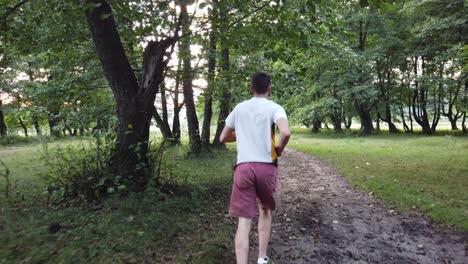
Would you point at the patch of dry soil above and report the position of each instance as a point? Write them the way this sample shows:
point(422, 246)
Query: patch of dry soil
point(321, 218)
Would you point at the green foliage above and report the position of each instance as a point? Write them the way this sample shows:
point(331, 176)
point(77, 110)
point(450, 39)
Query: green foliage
point(80, 170)
point(166, 226)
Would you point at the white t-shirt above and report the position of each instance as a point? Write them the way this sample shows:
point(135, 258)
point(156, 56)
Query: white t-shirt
point(254, 120)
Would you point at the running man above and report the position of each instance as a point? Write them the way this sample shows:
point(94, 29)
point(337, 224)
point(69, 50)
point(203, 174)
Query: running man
point(252, 125)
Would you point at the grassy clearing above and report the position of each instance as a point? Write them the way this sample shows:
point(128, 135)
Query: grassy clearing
point(11, 140)
point(186, 223)
point(427, 172)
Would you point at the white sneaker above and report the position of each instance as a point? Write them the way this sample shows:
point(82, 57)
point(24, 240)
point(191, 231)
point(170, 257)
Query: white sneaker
point(265, 260)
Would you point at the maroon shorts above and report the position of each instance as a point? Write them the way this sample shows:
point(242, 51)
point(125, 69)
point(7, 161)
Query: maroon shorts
point(253, 180)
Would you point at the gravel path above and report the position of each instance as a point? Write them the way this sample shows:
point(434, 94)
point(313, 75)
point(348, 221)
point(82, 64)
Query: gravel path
point(322, 219)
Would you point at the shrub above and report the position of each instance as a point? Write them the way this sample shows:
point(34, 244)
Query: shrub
point(79, 170)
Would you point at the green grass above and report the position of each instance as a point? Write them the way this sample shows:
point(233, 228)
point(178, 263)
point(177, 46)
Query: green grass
point(186, 223)
point(10, 140)
point(408, 171)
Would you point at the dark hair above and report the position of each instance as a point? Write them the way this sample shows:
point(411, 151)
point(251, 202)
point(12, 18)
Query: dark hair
point(260, 82)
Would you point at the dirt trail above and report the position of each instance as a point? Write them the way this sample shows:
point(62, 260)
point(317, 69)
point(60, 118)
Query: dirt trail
point(322, 219)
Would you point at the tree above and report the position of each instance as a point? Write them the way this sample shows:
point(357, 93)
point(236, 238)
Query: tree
point(134, 101)
point(192, 119)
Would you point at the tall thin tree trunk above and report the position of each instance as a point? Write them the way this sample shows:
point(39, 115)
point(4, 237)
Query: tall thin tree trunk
point(177, 106)
point(465, 104)
point(377, 122)
point(37, 127)
point(163, 126)
point(363, 108)
point(464, 129)
point(25, 129)
point(164, 103)
point(192, 119)
point(419, 101)
point(348, 122)
point(225, 102)
point(53, 121)
point(162, 123)
point(208, 110)
point(3, 127)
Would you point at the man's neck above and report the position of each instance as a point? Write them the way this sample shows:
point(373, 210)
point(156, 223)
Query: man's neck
point(265, 95)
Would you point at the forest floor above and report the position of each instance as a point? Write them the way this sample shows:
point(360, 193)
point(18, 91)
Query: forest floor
point(321, 218)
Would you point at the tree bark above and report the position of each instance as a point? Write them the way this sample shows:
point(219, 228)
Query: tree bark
point(192, 119)
point(25, 129)
point(208, 109)
point(37, 127)
point(420, 101)
point(377, 122)
point(464, 129)
point(53, 121)
point(348, 122)
point(163, 126)
point(465, 106)
point(362, 108)
point(3, 127)
point(225, 102)
point(366, 120)
point(134, 102)
point(177, 106)
point(163, 123)
point(452, 99)
point(316, 125)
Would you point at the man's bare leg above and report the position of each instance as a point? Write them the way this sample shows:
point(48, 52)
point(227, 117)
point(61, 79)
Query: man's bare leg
point(242, 240)
point(264, 229)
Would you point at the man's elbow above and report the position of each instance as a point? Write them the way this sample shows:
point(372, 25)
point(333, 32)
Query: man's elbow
point(286, 133)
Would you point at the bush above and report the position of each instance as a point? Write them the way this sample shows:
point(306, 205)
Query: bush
point(79, 170)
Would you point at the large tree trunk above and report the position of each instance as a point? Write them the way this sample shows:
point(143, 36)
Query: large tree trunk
point(316, 125)
point(192, 119)
point(336, 120)
point(3, 127)
point(366, 120)
point(134, 102)
point(208, 110)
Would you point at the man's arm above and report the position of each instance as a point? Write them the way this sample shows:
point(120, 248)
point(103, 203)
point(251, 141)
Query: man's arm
point(284, 135)
point(227, 135)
